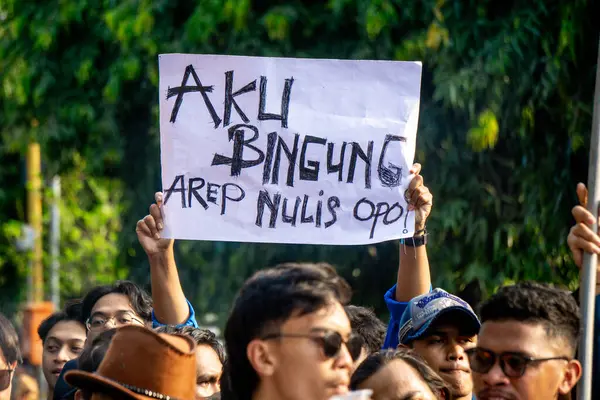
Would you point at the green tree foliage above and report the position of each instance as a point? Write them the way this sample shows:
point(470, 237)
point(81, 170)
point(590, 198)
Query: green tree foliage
point(90, 210)
point(505, 116)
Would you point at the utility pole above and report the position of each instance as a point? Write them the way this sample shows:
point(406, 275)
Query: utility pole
point(590, 261)
point(36, 310)
point(55, 243)
point(34, 215)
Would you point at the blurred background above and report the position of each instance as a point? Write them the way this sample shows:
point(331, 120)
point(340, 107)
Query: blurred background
point(506, 109)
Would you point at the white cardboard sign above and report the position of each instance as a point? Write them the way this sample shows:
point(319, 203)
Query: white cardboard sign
point(284, 150)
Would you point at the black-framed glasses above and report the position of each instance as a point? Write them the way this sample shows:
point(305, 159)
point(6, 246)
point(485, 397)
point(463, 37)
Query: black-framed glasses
point(330, 341)
point(5, 375)
point(512, 364)
point(98, 321)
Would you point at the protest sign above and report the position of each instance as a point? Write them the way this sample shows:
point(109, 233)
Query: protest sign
point(284, 150)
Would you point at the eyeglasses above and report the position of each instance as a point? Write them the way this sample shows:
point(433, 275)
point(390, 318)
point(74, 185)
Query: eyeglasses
point(330, 341)
point(5, 378)
point(98, 321)
point(512, 364)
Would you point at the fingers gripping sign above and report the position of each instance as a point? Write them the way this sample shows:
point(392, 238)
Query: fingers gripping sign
point(150, 227)
point(419, 198)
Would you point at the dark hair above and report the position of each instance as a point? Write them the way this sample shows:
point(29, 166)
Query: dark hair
point(266, 300)
point(535, 303)
point(140, 301)
point(72, 312)
point(200, 336)
point(9, 341)
point(93, 354)
point(377, 361)
point(366, 324)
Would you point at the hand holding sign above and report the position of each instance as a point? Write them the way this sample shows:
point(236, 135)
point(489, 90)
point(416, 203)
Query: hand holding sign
point(149, 230)
point(419, 198)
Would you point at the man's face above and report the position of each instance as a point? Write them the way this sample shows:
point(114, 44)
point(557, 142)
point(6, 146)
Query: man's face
point(115, 310)
point(543, 380)
point(300, 369)
point(64, 342)
point(208, 371)
point(444, 350)
point(6, 377)
point(398, 380)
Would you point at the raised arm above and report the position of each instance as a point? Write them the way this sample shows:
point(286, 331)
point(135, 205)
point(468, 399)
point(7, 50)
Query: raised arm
point(583, 239)
point(414, 278)
point(413, 271)
point(170, 304)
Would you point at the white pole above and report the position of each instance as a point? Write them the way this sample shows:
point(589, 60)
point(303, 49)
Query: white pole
point(590, 261)
point(55, 243)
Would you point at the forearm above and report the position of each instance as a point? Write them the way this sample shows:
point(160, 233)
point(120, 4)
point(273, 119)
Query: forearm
point(170, 305)
point(414, 278)
point(413, 271)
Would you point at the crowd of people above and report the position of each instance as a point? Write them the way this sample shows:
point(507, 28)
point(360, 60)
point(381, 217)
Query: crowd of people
point(292, 334)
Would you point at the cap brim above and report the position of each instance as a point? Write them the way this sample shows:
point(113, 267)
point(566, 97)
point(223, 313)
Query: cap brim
point(95, 383)
point(469, 323)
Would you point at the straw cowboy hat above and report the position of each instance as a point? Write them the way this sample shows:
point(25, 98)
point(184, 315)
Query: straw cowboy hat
point(141, 364)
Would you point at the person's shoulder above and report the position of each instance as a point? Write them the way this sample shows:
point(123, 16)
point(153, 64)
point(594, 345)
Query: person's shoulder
point(396, 308)
point(62, 388)
point(71, 364)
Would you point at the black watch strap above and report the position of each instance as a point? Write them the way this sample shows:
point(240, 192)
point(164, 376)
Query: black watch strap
point(415, 241)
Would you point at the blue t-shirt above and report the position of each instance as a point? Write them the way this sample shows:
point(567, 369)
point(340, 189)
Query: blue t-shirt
point(396, 309)
point(63, 390)
point(191, 321)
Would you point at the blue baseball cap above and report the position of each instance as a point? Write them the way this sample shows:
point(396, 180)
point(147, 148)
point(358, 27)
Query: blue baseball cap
point(422, 311)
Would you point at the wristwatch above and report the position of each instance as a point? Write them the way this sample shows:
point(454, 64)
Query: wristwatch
point(415, 241)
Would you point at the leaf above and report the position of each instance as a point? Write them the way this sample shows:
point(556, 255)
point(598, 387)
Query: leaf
point(485, 134)
point(278, 22)
point(83, 72)
point(436, 36)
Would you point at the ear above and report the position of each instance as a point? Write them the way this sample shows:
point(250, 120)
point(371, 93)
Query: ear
point(572, 373)
point(444, 394)
point(78, 395)
point(13, 366)
point(261, 357)
point(403, 346)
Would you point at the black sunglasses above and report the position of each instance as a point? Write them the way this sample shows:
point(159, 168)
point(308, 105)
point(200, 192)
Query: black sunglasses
point(5, 378)
point(512, 364)
point(330, 341)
